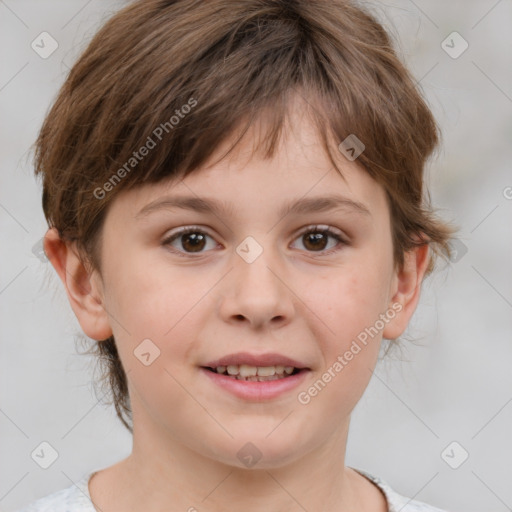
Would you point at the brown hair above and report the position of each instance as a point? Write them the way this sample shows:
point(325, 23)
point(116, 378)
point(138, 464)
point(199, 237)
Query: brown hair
point(180, 76)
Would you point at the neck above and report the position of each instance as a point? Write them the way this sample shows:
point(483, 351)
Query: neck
point(152, 478)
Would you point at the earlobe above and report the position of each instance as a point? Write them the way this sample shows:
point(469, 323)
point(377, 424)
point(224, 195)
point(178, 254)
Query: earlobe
point(406, 290)
point(83, 287)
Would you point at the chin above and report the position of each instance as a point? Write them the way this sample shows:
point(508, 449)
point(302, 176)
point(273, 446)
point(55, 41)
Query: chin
point(253, 450)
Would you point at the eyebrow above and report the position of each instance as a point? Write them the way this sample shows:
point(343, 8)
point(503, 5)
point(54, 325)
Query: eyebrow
point(218, 208)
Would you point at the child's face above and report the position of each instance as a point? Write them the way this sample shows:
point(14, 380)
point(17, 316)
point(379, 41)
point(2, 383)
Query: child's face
point(298, 298)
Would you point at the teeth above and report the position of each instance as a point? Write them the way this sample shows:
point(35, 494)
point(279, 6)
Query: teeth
point(248, 372)
point(257, 378)
point(266, 371)
point(233, 369)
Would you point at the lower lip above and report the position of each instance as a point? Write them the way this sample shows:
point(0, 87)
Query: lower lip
point(256, 391)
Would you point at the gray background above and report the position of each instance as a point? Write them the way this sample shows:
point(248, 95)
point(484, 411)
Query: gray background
point(455, 380)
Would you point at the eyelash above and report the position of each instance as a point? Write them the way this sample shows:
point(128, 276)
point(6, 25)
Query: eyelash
point(312, 229)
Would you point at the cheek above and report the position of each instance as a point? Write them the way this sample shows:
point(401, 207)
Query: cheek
point(348, 301)
point(160, 305)
point(153, 312)
point(348, 307)
point(151, 299)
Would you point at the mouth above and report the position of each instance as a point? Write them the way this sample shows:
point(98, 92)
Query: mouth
point(256, 377)
point(250, 373)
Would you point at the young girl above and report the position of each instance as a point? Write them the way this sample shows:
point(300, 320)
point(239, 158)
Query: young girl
point(237, 211)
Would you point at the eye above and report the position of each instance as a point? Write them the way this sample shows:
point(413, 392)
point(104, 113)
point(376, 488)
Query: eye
point(191, 239)
point(315, 239)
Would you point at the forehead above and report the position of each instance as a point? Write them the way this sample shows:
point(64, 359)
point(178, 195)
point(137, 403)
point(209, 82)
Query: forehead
point(299, 170)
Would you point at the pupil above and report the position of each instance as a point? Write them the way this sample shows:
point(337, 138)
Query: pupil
point(197, 240)
point(315, 238)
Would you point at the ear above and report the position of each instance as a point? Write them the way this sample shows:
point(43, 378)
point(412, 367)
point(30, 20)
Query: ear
point(405, 290)
point(84, 288)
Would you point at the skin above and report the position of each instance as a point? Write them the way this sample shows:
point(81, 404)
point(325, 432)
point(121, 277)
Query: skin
point(293, 299)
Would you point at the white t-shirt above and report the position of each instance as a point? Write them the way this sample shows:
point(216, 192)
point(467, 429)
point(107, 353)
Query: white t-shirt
point(76, 498)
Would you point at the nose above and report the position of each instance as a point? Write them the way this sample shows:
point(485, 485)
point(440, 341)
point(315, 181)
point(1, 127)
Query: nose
point(257, 292)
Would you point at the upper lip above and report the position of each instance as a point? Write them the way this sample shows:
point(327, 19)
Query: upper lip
point(267, 359)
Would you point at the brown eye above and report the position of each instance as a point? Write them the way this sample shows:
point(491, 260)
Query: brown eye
point(188, 240)
point(193, 242)
point(316, 239)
